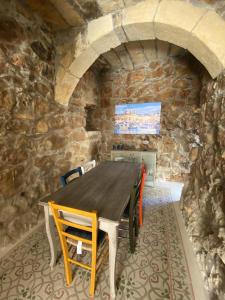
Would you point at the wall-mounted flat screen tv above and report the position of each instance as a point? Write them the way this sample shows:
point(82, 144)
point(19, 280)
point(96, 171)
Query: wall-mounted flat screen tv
point(137, 118)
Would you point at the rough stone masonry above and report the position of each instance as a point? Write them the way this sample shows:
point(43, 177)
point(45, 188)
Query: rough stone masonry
point(203, 198)
point(39, 139)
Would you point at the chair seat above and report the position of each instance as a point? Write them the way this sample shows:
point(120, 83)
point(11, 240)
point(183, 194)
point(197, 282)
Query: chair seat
point(85, 234)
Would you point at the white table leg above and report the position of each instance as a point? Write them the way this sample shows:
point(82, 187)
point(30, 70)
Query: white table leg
point(111, 228)
point(50, 230)
point(112, 259)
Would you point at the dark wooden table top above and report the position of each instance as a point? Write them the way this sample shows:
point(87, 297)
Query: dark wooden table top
point(105, 188)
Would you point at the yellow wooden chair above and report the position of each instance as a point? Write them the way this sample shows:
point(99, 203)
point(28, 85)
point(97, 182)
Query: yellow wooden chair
point(75, 225)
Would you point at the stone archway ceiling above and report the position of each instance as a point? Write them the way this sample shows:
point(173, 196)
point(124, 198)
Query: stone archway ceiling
point(133, 55)
point(199, 30)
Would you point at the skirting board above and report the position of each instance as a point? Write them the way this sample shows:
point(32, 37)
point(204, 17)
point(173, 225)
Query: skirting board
point(197, 281)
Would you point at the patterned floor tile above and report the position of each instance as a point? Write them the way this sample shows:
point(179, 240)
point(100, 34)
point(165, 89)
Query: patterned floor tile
point(157, 270)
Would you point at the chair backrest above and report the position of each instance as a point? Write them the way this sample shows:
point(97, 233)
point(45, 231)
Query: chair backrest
point(88, 166)
point(66, 178)
point(138, 188)
point(143, 177)
point(75, 218)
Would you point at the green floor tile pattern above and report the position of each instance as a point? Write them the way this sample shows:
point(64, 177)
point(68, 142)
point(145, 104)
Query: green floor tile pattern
point(157, 270)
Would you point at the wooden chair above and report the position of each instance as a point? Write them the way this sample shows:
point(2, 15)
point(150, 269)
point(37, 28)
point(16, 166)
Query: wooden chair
point(66, 178)
point(143, 176)
point(88, 166)
point(132, 216)
point(129, 225)
point(77, 227)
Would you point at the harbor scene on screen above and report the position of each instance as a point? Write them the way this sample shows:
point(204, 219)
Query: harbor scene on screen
point(137, 118)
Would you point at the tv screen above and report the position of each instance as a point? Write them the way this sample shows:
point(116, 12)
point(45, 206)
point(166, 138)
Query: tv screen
point(137, 118)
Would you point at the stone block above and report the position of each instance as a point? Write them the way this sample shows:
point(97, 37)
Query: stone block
point(7, 213)
point(112, 59)
point(22, 204)
point(42, 88)
point(41, 106)
point(124, 57)
point(45, 54)
point(7, 100)
point(108, 6)
point(65, 88)
point(20, 175)
point(60, 73)
point(136, 54)
point(67, 11)
point(176, 51)
point(41, 127)
point(208, 45)
point(57, 122)
point(11, 31)
point(57, 142)
point(137, 21)
point(193, 155)
point(7, 186)
point(136, 76)
point(101, 34)
point(78, 136)
point(223, 61)
point(45, 163)
point(20, 126)
point(162, 49)
point(82, 62)
point(16, 156)
point(150, 49)
point(175, 20)
point(156, 73)
point(117, 23)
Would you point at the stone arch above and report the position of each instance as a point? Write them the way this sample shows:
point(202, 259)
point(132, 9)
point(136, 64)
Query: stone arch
point(199, 30)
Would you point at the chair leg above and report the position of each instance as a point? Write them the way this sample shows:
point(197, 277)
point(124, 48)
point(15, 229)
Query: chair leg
point(132, 240)
point(67, 265)
point(93, 271)
point(92, 286)
point(136, 224)
point(141, 199)
point(140, 212)
point(133, 230)
point(68, 272)
point(132, 236)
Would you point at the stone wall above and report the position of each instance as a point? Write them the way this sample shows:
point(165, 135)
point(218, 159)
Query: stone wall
point(173, 82)
point(39, 138)
point(198, 29)
point(203, 198)
point(114, 5)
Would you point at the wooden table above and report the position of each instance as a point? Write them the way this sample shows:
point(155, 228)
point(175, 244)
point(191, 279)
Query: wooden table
point(106, 189)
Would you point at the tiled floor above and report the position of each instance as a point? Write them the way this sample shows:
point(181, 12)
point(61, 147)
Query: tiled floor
point(157, 270)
